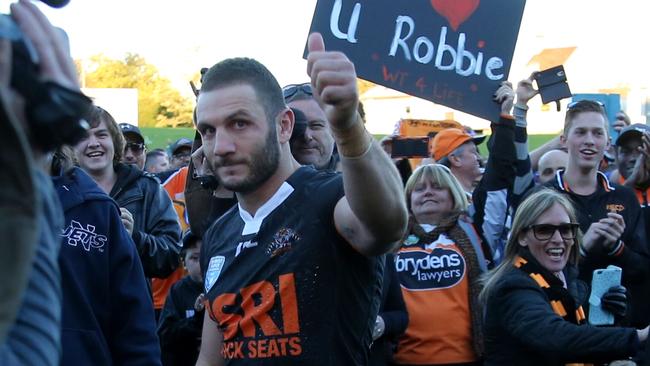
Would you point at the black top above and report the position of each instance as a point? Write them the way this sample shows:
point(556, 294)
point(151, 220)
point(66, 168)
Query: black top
point(293, 292)
point(521, 328)
point(393, 311)
point(180, 325)
point(156, 231)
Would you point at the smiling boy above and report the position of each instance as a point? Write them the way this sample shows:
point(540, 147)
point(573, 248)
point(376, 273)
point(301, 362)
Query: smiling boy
point(608, 214)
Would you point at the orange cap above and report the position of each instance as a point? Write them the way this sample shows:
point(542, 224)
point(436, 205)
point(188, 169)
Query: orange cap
point(447, 141)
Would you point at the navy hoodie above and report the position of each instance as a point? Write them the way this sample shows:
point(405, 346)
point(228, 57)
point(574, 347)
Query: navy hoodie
point(108, 316)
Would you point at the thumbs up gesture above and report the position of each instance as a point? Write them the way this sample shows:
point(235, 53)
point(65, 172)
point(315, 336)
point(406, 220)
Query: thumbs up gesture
point(334, 83)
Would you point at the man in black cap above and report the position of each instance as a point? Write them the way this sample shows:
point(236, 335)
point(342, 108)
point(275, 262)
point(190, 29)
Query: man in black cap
point(181, 152)
point(632, 150)
point(134, 150)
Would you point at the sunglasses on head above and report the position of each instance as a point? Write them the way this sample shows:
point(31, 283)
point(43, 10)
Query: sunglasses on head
point(545, 232)
point(573, 104)
point(292, 90)
point(136, 147)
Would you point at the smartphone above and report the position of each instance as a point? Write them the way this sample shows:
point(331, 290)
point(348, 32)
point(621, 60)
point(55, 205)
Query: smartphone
point(552, 84)
point(410, 147)
point(602, 281)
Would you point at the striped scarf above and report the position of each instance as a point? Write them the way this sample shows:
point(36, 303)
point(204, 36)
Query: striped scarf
point(561, 300)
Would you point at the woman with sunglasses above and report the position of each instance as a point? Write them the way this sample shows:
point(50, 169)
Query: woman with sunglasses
point(438, 265)
point(533, 312)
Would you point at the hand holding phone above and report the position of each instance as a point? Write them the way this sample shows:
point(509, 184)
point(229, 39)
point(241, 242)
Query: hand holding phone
point(603, 280)
point(410, 147)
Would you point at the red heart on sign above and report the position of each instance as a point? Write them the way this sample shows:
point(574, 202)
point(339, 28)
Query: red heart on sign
point(455, 11)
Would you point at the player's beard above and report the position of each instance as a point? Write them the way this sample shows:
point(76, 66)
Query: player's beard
point(262, 163)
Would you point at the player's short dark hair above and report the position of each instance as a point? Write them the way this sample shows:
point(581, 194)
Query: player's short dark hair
point(242, 70)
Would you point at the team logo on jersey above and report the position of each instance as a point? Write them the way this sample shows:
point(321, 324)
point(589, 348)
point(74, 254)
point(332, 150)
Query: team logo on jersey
point(86, 236)
point(282, 241)
point(615, 208)
point(437, 266)
point(214, 270)
point(244, 245)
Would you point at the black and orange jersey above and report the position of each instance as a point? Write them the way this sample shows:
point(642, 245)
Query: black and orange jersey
point(284, 287)
point(435, 287)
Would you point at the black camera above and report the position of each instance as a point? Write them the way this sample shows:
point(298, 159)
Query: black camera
point(55, 114)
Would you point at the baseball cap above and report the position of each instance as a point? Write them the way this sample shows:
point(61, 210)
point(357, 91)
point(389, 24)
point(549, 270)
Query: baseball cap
point(631, 131)
point(189, 239)
point(129, 128)
point(447, 141)
point(182, 142)
point(477, 137)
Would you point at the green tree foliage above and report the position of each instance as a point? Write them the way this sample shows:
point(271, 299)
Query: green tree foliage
point(159, 103)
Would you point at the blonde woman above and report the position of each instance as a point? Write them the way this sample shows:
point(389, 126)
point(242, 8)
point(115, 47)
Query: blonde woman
point(438, 265)
point(532, 299)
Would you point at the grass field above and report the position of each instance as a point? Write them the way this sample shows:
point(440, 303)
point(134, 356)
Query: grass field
point(163, 137)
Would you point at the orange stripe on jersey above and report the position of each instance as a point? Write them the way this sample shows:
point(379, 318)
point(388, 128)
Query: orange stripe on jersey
point(558, 308)
point(540, 280)
point(639, 193)
point(519, 261)
point(580, 314)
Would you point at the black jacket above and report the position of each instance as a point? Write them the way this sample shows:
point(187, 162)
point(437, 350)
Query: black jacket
point(393, 310)
point(507, 177)
point(633, 256)
point(156, 231)
point(180, 326)
point(521, 328)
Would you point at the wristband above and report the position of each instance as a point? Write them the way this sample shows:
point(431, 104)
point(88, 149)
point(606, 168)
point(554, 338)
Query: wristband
point(618, 248)
point(358, 156)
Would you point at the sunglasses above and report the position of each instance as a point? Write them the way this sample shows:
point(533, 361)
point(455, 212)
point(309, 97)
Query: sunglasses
point(136, 147)
point(545, 232)
point(182, 155)
point(292, 90)
point(573, 104)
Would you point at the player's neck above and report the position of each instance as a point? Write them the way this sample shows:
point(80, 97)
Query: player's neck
point(252, 201)
point(581, 181)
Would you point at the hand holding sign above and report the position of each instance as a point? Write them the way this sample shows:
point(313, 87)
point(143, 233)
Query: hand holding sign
point(334, 83)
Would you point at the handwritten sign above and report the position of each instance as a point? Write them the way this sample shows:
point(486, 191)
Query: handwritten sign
point(452, 52)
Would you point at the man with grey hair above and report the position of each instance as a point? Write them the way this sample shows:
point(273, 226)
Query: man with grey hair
point(455, 149)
